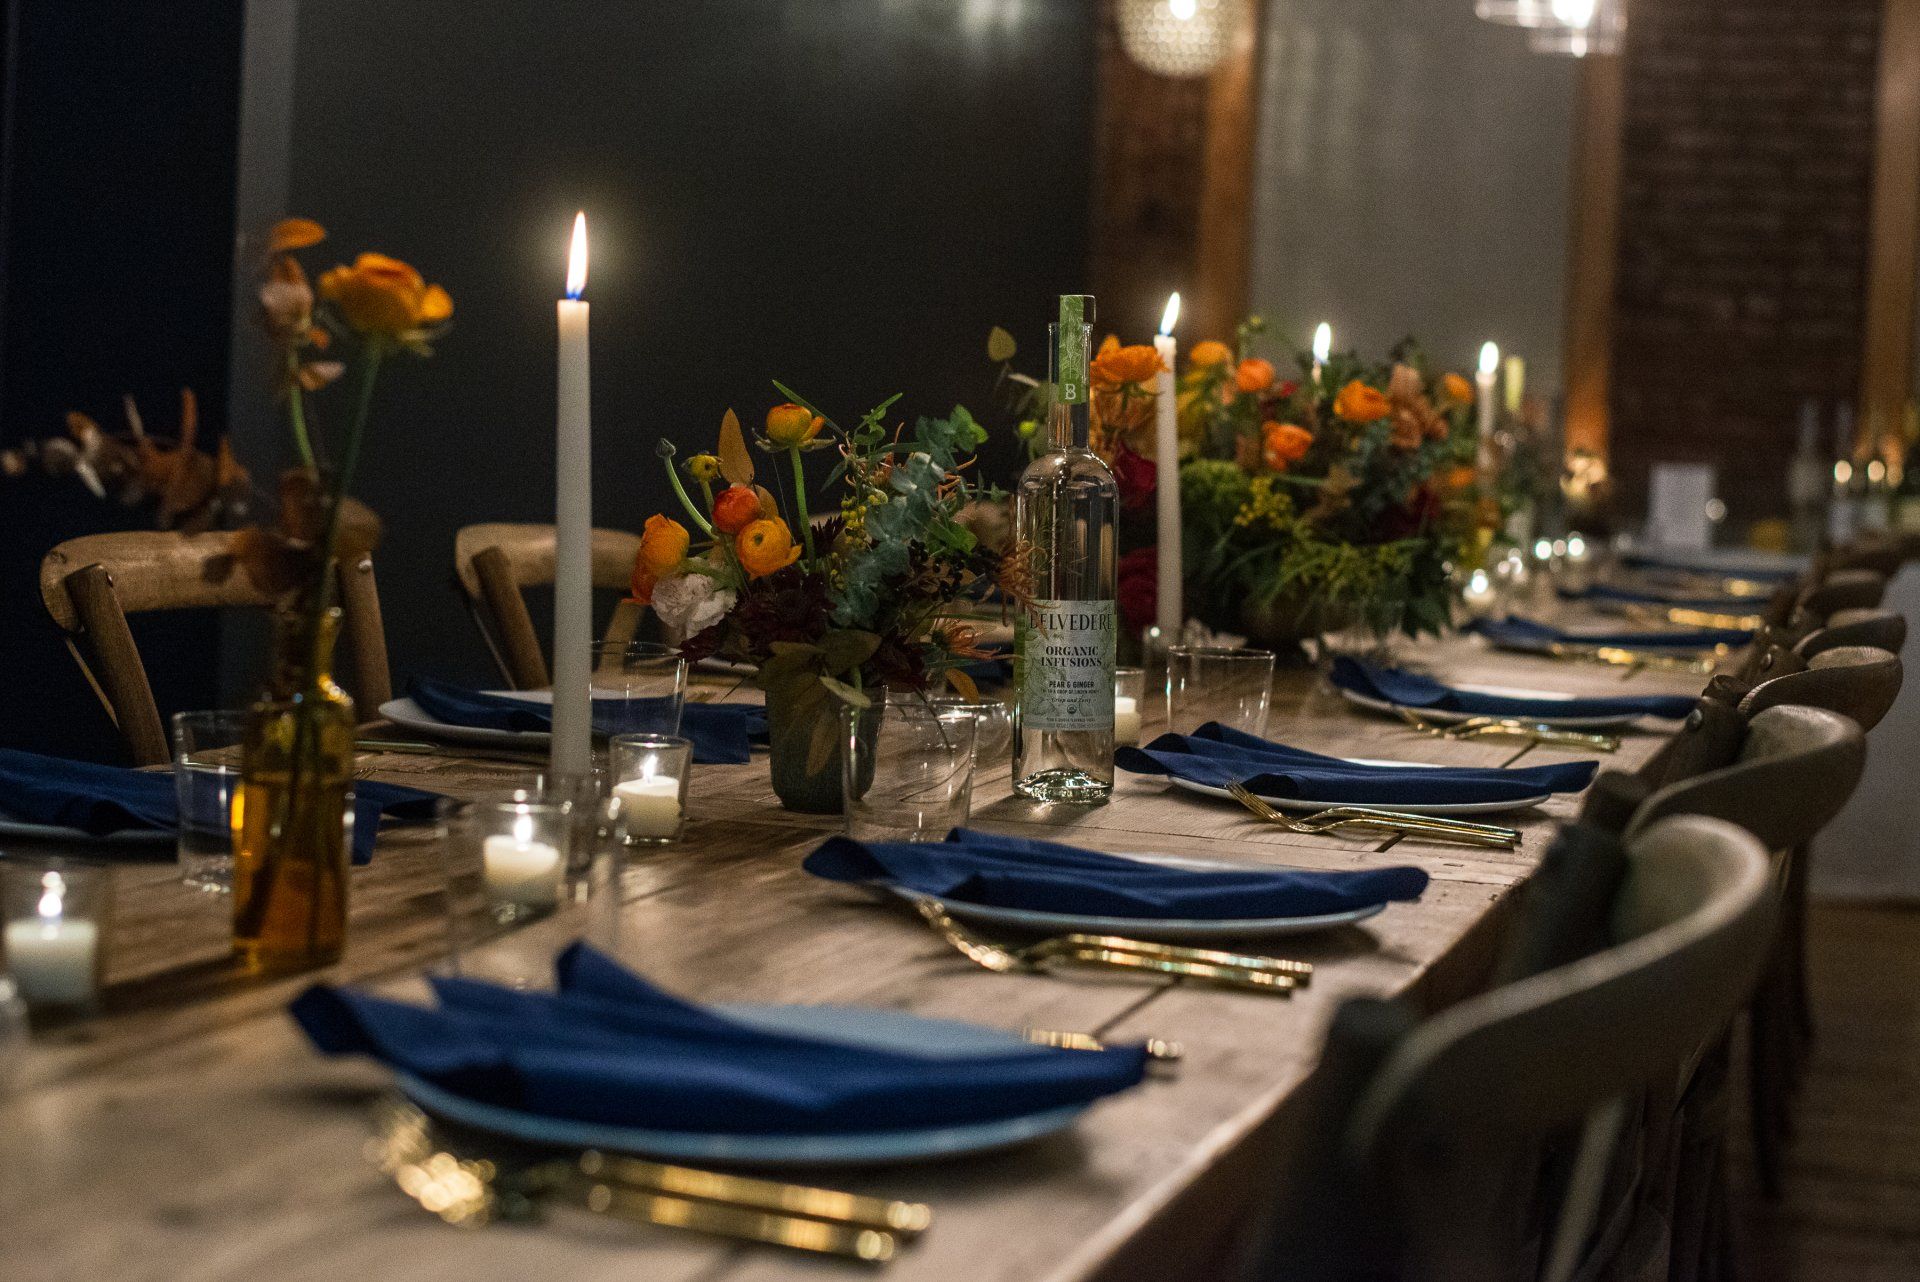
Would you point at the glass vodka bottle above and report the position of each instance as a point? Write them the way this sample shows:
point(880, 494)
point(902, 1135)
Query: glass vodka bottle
point(1066, 514)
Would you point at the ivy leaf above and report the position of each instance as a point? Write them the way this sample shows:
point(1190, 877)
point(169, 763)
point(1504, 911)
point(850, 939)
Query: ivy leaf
point(846, 693)
point(735, 463)
point(1000, 345)
point(846, 649)
point(820, 748)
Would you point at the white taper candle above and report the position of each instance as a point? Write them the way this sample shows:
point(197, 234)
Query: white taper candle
point(1170, 612)
point(572, 750)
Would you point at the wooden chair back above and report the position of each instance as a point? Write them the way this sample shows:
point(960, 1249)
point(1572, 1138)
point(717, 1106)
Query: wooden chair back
point(1860, 682)
point(497, 561)
point(1844, 590)
point(91, 584)
point(1500, 1074)
point(1881, 629)
point(1796, 769)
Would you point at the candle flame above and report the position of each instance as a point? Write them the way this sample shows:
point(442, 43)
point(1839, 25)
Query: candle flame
point(523, 829)
point(1184, 11)
point(1170, 317)
point(577, 257)
point(1322, 342)
point(1489, 357)
point(56, 891)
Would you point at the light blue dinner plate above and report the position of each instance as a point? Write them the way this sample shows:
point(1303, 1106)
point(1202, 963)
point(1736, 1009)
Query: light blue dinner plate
point(854, 1025)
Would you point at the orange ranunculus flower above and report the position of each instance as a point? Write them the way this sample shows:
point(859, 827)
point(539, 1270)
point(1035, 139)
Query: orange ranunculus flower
point(1358, 403)
point(765, 546)
point(790, 426)
point(290, 234)
point(640, 586)
point(1458, 479)
point(1117, 365)
point(1456, 389)
point(1284, 443)
point(1209, 352)
point(384, 296)
point(663, 544)
point(737, 507)
point(1253, 375)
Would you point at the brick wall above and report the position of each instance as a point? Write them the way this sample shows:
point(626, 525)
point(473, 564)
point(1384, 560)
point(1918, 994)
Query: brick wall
point(1743, 231)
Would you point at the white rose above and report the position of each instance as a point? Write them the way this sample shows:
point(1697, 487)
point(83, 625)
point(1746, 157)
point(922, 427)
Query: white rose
point(690, 603)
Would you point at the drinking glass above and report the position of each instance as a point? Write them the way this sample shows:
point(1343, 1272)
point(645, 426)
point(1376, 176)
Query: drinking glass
point(56, 912)
point(1209, 684)
point(992, 726)
point(638, 687)
point(1129, 706)
point(206, 776)
point(907, 769)
point(649, 773)
point(513, 847)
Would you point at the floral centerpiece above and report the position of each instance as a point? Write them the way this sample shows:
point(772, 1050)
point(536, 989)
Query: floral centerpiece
point(826, 608)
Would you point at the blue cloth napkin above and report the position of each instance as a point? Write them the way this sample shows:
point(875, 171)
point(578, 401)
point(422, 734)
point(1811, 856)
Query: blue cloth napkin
point(609, 1047)
point(1707, 565)
point(1517, 632)
point(722, 733)
point(102, 800)
point(1044, 876)
point(1217, 756)
point(1396, 685)
point(1611, 594)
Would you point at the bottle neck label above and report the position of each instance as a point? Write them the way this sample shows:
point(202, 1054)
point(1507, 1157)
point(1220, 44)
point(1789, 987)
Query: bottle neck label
point(1066, 662)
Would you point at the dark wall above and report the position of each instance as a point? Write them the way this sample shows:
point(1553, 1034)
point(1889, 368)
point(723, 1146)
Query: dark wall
point(116, 233)
point(845, 195)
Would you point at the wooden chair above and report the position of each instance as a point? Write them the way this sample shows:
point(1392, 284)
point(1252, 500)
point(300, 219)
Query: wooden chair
point(1856, 681)
point(1882, 629)
point(1844, 590)
point(496, 562)
point(91, 584)
point(1470, 1096)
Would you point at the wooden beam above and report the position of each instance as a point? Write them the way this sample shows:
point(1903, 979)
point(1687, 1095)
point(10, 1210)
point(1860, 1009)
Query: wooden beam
point(1593, 252)
point(1893, 235)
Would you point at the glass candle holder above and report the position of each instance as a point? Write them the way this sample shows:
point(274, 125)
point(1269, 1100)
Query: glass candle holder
point(638, 687)
point(57, 913)
point(648, 797)
point(1129, 705)
point(207, 748)
point(520, 842)
point(1205, 684)
point(908, 769)
point(992, 726)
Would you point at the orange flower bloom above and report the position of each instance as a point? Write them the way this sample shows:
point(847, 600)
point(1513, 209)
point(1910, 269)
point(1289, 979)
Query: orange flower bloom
point(790, 426)
point(1458, 479)
point(765, 546)
point(384, 296)
point(1253, 375)
point(1284, 443)
point(640, 586)
point(295, 233)
point(737, 507)
point(663, 545)
point(1209, 352)
point(1358, 403)
point(1456, 389)
point(1117, 365)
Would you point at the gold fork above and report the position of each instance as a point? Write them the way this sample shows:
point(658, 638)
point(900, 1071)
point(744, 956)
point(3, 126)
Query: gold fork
point(1484, 727)
point(1338, 817)
point(1261, 974)
point(1634, 660)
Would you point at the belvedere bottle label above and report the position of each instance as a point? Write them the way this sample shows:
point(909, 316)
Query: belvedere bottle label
point(1075, 315)
point(1066, 651)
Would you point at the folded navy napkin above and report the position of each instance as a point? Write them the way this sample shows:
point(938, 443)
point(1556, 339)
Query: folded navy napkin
point(1216, 755)
point(102, 800)
point(1707, 565)
point(1517, 632)
point(1396, 685)
point(1044, 876)
point(609, 1047)
point(1612, 594)
point(722, 733)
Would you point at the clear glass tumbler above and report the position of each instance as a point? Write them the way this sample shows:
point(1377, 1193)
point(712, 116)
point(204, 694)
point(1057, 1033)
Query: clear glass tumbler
point(57, 913)
point(517, 845)
point(638, 687)
point(1129, 706)
point(648, 798)
point(908, 768)
point(1205, 684)
point(206, 775)
point(992, 726)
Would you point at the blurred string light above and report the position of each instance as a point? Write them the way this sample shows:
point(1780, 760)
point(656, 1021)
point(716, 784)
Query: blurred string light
point(1179, 37)
point(1574, 28)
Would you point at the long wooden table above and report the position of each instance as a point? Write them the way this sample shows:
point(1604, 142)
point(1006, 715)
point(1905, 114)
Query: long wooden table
point(189, 1132)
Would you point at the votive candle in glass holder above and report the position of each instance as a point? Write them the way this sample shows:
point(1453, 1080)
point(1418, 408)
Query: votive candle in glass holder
point(57, 913)
point(523, 838)
point(1129, 703)
point(649, 774)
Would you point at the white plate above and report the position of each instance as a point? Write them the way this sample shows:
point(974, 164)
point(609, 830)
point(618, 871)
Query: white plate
point(858, 1026)
point(1446, 717)
point(1441, 808)
point(51, 832)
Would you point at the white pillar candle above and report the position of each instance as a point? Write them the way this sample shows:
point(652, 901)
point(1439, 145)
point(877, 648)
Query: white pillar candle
point(1126, 720)
point(649, 807)
point(1170, 611)
point(572, 749)
point(52, 959)
point(521, 872)
point(1486, 382)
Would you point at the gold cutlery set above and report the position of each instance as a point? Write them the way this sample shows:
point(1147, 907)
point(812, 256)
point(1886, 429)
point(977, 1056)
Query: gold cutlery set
point(1337, 818)
point(1484, 727)
point(1699, 663)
